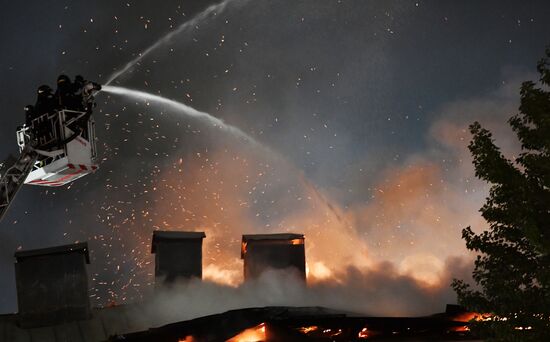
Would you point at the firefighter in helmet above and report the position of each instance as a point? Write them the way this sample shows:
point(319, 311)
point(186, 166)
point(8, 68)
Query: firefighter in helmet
point(45, 104)
point(78, 88)
point(65, 92)
point(45, 100)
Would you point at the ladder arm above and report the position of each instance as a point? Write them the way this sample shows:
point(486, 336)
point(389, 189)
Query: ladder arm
point(15, 176)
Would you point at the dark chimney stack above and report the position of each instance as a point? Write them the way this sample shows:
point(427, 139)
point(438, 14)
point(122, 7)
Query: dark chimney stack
point(277, 251)
point(178, 255)
point(52, 285)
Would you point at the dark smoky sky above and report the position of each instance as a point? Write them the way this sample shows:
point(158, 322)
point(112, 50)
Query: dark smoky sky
point(356, 94)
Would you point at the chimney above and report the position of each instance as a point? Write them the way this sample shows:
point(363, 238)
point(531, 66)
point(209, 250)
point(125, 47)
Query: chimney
point(278, 251)
point(52, 285)
point(177, 255)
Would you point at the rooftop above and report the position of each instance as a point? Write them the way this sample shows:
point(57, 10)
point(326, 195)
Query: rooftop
point(166, 235)
point(81, 247)
point(281, 236)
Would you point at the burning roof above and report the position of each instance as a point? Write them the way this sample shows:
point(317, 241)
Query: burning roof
point(301, 324)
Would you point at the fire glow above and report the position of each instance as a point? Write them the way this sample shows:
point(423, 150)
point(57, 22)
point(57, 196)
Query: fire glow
point(255, 334)
point(200, 196)
point(363, 334)
point(227, 193)
point(468, 317)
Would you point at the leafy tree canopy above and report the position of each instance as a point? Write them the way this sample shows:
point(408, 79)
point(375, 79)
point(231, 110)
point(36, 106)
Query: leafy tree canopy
point(512, 270)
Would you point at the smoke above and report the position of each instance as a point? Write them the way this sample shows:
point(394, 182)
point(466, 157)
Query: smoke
point(215, 9)
point(317, 211)
point(394, 254)
point(402, 247)
point(378, 291)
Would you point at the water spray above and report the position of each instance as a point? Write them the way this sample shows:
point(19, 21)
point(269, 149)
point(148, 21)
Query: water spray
point(183, 108)
point(190, 111)
point(216, 122)
point(217, 9)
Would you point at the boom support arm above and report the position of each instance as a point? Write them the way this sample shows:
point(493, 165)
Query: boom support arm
point(14, 176)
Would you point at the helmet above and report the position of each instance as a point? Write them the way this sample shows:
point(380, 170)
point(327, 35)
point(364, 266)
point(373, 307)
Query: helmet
point(63, 79)
point(44, 90)
point(78, 79)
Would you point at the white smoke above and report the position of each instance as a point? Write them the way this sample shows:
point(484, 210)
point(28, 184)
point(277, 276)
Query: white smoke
point(379, 291)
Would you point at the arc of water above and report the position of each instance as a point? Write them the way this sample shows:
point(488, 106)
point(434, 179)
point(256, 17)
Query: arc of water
point(190, 111)
point(216, 8)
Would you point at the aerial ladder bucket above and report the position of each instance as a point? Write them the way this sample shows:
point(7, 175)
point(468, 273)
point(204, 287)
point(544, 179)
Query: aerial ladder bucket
point(55, 149)
point(69, 148)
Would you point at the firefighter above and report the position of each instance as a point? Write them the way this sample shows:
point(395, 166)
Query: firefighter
point(45, 101)
point(88, 91)
point(79, 82)
point(45, 104)
point(78, 88)
point(64, 92)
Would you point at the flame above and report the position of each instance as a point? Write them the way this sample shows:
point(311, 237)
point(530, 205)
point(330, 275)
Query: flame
point(318, 271)
point(332, 332)
point(462, 328)
point(243, 247)
point(187, 339)
point(320, 332)
point(467, 317)
point(258, 333)
point(363, 333)
point(307, 330)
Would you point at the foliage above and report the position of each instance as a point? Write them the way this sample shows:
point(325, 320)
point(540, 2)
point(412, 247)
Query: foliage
point(512, 270)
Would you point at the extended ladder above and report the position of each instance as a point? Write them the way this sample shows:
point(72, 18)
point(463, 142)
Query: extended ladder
point(14, 175)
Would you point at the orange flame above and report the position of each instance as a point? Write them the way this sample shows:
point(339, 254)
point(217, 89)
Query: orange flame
point(187, 339)
point(297, 242)
point(258, 333)
point(363, 333)
point(467, 317)
point(307, 330)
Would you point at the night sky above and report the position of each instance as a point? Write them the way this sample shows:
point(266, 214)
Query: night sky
point(362, 108)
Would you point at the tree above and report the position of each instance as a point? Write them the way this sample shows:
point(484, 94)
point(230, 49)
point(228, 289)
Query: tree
point(512, 269)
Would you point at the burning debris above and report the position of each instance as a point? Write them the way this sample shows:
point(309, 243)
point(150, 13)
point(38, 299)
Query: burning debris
point(257, 333)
